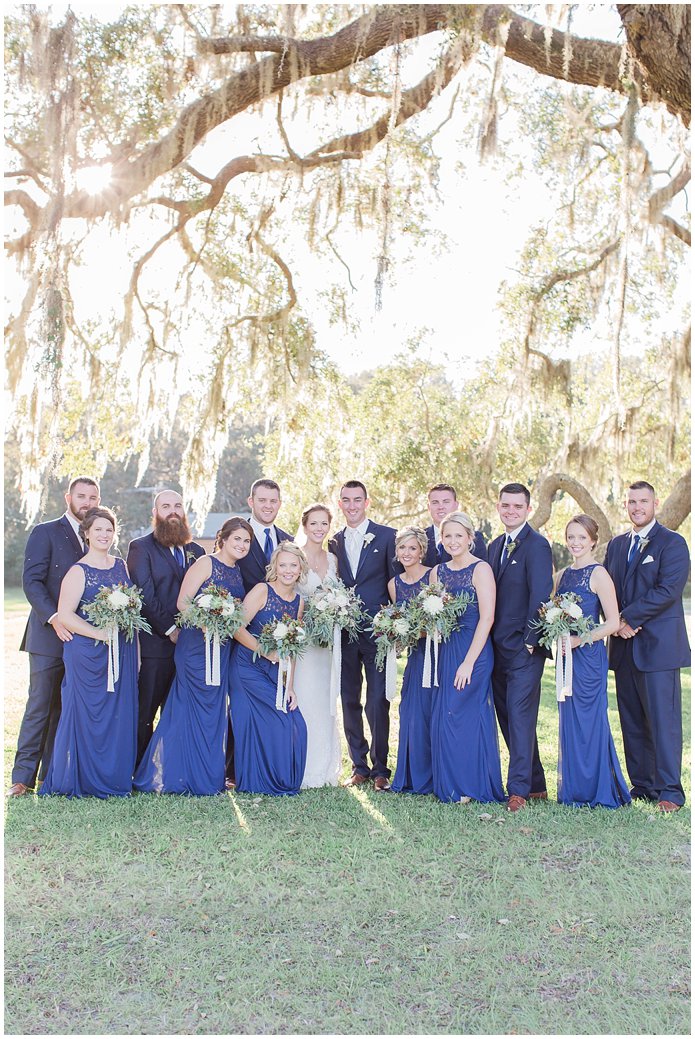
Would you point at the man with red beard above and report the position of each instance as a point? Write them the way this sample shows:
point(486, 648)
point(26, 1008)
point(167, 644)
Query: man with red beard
point(52, 548)
point(157, 563)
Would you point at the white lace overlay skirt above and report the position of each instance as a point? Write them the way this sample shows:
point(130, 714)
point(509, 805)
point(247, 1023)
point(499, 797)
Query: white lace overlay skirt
point(312, 681)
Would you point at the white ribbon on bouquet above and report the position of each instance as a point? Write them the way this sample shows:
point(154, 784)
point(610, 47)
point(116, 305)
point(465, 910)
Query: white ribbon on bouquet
point(113, 667)
point(430, 675)
point(563, 668)
point(212, 659)
point(391, 674)
point(336, 664)
point(283, 669)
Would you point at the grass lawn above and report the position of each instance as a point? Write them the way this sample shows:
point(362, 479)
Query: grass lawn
point(341, 911)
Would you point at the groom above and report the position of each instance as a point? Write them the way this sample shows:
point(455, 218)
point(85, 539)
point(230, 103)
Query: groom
point(366, 556)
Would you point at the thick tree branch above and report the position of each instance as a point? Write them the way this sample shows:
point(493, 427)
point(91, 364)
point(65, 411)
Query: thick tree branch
point(549, 487)
point(676, 509)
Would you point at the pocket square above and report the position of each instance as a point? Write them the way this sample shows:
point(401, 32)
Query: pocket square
point(649, 559)
point(376, 550)
point(513, 562)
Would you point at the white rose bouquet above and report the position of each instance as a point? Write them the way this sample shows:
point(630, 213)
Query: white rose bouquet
point(435, 612)
point(288, 638)
point(219, 615)
point(329, 612)
point(393, 633)
point(117, 607)
point(559, 619)
point(334, 606)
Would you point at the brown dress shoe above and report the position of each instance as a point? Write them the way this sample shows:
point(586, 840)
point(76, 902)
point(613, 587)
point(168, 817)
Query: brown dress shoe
point(541, 795)
point(356, 779)
point(381, 783)
point(668, 806)
point(515, 803)
point(17, 789)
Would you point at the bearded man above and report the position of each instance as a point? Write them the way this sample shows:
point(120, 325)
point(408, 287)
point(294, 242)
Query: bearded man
point(157, 563)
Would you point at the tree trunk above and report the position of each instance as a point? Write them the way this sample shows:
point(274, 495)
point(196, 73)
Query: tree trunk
point(658, 37)
point(676, 509)
point(561, 482)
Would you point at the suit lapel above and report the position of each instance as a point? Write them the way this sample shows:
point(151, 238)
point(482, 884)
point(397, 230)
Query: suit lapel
point(518, 540)
point(72, 537)
point(638, 556)
point(340, 544)
point(365, 545)
point(168, 555)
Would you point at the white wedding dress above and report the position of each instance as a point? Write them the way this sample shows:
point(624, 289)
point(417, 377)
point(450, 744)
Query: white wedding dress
point(312, 683)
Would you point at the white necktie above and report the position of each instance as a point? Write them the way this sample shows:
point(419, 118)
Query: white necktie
point(354, 547)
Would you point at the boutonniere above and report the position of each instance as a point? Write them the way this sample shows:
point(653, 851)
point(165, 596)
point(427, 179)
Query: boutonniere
point(649, 559)
point(643, 542)
point(190, 557)
point(511, 547)
point(368, 538)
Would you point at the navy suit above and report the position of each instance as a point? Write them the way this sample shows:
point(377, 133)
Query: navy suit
point(254, 564)
point(647, 666)
point(433, 557)
point(52, 548)
point(154, 570)
point(375, 570)
point(524, 581)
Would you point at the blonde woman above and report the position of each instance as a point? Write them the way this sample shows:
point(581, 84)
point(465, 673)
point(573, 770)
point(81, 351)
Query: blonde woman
point(465, 749)
point(269, 744)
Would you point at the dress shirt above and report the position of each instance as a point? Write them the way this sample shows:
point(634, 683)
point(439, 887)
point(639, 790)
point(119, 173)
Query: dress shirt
point(354, 540)
point(259, 530)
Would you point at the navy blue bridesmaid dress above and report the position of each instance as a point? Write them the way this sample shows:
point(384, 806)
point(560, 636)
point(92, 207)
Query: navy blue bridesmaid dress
point(186, 754)
point(414, 761)
point(269, 745)
point(588, 768)
point(465, 748)
point(96, 738)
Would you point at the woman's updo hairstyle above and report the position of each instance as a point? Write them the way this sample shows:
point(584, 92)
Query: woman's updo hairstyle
point(588, 523)
point(99, 512)
point(228, 527)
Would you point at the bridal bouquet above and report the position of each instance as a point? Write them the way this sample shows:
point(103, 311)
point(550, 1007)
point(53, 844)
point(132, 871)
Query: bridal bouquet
point(117, 607)
point(435, 613)
point(219, 615)
point(328, 613)
point(334, 606)
point(288, 638)
point(393, 633)
point(559, 619)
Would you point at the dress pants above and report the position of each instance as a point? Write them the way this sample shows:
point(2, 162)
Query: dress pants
point(649, 705)
point(40, 721)
point(154, 682)
point(516, 687)
point(357, 656)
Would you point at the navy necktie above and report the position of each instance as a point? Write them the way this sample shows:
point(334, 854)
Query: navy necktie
point(179, 556)
point(268, 547)
point(440, 552)
point(633, 548)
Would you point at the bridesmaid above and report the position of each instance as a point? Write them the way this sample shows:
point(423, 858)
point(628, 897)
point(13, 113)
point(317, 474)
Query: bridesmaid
point(269, 744)
point(95, 744)
point(588, 768)
point(414, 762)
point(465, 748)
point(186, 754)
point(312, 673)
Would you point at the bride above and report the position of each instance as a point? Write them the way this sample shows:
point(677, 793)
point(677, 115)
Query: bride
point(312, 676)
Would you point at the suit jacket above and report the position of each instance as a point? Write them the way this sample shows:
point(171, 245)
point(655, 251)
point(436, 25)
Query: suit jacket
point(431, 559)
point(153, 569)
point(376, 567)
point(253, 565)
point(650, 597)
point(524, 581)
point(52, 548)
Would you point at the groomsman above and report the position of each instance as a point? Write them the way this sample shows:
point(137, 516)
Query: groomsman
point(522, 563)
point(649, 566)
point(264, 502)
point(441, 500)
point(52, 548)
point(366, 557)
point(157, 563)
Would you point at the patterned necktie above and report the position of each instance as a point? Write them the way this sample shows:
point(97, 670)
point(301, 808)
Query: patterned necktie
point(440, 552)
point(505, 550)
point(268, 547)
point(633, 548)
point(179, 556)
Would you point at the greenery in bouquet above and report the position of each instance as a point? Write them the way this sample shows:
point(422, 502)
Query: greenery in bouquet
point(329, 606)
point(214, 610)
point(392, 630)
point(562, 615)
point(436, 612)
point(286, 637)
point(118, 606)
